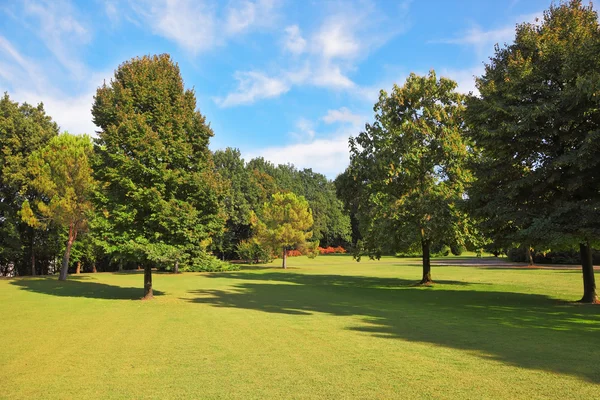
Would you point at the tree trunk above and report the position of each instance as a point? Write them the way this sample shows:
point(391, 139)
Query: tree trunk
point(589, 281)
point(176, 269)
point(32, 252)
point(528, 255)
point(284, 258)
point(78, 269)
point(94, 270)
point(64, 270)
point(425, 243)
point(120, 266)
point(147, 282)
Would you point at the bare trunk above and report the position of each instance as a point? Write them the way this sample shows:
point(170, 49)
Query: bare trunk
point(589, 281)
point(425, 244)
point(94, 270)
point(176, 269)
point(32, 252)
point(64, 269)
point(120, 266)
point(78, 269)
point(147, 282)
point(284, 258)
point(528, 255)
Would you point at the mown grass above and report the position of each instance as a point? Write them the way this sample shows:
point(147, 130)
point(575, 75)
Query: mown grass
point(324, 328)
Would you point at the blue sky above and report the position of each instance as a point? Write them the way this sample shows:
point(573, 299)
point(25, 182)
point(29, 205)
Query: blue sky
point(289, 80)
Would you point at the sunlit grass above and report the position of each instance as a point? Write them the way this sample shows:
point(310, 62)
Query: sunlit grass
point(324, 328)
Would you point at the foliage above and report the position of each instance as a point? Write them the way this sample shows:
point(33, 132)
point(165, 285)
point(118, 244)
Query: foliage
point(285, 223)
point(251, 252)
point(24, 129)
point(161, 198)
point(535, 128)
point(61, 172)
point(410, 164)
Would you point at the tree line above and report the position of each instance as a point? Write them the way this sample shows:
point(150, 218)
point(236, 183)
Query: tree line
point(515, 166)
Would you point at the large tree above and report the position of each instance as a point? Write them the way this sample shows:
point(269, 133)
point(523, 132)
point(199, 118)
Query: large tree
point(61, 171)
point(160, 195)
point(410, 165)
point(285, 224)
point(536, 128)
point(23, 130)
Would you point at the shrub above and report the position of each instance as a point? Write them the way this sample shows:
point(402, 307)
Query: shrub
point(251, 252)
point(457, 250)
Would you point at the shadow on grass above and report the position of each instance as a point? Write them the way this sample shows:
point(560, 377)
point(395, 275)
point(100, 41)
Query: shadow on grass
point(80, 287)
point(524, 330)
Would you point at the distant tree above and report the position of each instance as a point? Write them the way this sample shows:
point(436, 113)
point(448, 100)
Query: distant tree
point(23, 130)
point(410, 164)
point(285, 223)
point(536, 130)
point(61, 171)
point(160, 196)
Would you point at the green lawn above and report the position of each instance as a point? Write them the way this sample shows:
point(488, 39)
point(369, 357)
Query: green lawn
point(325, 328)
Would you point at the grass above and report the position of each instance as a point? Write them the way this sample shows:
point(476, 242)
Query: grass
point(325, 328)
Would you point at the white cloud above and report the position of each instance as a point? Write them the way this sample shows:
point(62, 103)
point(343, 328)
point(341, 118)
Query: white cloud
point(327, 156)
point(343, 115)
point(294, 42)
point(199, 25)
point(305, 130)
point(484, 40)
point(59, 28)
point(246, 14)
point(253, 86)
point(346, 35)
point(336, 39)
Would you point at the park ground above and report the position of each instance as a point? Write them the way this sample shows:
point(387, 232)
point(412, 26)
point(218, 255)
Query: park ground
point(325, 328)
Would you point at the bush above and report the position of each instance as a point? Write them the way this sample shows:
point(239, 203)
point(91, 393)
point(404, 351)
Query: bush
point(252, 252)
point(332, 250)
point(457, 250)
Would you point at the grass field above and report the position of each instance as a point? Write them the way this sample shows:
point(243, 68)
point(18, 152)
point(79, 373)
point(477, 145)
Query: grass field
point(324, 328)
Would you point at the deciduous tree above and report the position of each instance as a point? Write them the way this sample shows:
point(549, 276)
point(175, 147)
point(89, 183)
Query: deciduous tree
point(410, 165)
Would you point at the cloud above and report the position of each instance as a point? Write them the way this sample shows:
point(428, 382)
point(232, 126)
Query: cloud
point(343, 115)
point(345, 36)
point(327, 156)
point(484, 40)
point(294, 42)
point(201, 25)
point(253, 86)
point(465, 78)
point(305, 130)
point(58, 26)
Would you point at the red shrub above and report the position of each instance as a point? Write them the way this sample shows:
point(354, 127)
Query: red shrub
point(294, 253)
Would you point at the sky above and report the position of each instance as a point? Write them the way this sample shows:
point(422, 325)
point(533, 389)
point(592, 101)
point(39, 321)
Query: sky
point(288, 80)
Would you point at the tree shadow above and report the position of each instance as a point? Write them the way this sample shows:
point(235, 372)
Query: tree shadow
point(80, 287)
point(524, 330)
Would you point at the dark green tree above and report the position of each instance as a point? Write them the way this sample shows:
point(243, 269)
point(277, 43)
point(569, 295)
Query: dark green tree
point(536, 129)
point(23, 130)
point(160, 194)
point(410, 164)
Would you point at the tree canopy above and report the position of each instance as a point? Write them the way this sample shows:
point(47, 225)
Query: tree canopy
point(160, 195)
point(536, 131)
point(285, 223)
point(411, 164)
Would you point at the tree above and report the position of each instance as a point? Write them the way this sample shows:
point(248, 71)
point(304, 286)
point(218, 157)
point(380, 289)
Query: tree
point(160, 196)
point(411, 165)
point(285, 223)
point(23, 130)
point(536, 129)
point(62, 173)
